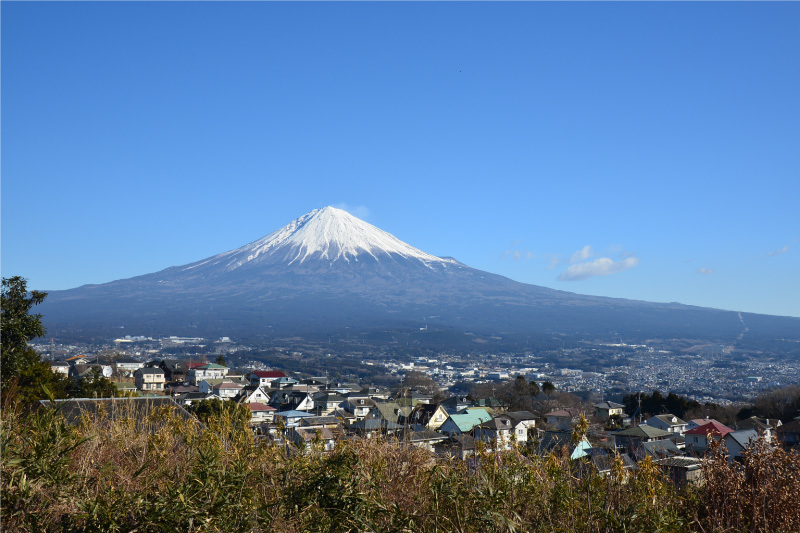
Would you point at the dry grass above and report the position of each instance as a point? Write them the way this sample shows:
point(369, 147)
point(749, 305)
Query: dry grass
point(162, 474)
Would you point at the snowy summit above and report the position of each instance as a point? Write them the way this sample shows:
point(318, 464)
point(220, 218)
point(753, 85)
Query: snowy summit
point(328, 234)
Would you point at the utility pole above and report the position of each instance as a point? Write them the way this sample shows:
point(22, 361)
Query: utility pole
point(640, 407)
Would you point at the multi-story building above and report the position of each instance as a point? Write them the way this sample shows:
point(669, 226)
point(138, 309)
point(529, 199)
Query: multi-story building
point(149, 379)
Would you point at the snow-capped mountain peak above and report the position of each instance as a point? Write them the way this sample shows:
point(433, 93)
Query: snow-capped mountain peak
point(328, 234)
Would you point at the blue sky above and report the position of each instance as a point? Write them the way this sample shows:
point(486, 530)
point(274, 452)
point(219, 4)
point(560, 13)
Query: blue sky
point(636, 150)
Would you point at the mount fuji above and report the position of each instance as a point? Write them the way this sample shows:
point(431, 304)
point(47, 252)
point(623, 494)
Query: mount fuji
point(328, 274)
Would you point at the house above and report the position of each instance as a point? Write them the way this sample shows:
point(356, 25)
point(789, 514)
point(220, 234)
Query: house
point(60, 367)
point(226, 390)
point(358, 406)
point(291, 418)
point(432, 416)
point(460, 423)
point(669, 423)
point(761, 425)
point(560, 442)
point(789, 434)
point(697, 422)
point(292, 400)
point(174, 370)
point(630, 439)
point(207, 371)
point(697, 439)
point(522, 422)
point(327, 402)
point(175, 389)
point(346, 418)
point(78, 360)
point(739, 441)
point(657, 449)
point(455, 404)
point(390, 411)
point(260, 413)
point(301, 387)
point(682, 470)
point(375, 393)
point(330, 422)
point(190, 398)
point(207, 385)
point(306, 438)
point(316, 383)
point(563, 419)
point(149, 379)
point(252, 393)
point(605, 463)
point(496, 433)
point(371, 427)
point(412, 398)
point(342, 388)
point(458, 447)
point(425, 439)
point(264, 378)
point(81, 371)
point(605, 410)
point(283, 383)
point(126, 366)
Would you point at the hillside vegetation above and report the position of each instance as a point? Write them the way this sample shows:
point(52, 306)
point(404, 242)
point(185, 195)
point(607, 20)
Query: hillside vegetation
point(161, 473)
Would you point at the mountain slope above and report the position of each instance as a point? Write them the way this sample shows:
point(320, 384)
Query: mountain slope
point(327, 272)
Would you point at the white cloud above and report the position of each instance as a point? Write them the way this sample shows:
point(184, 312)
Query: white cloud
point(704, 270)
point(519, 254)
point(359, 211)
point(602, 266)
point(779, 252)
point(582, 254)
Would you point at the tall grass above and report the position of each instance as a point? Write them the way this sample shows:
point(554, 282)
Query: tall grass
point(164, 474)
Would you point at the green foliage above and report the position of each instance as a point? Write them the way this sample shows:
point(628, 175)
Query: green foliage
point(18, 327)
point(518, 394)
point(657, 403)
point(614, 422)
point(214, 410)
point(37, 381)
point(548, 388)
point(25, 378)
point(94, 385)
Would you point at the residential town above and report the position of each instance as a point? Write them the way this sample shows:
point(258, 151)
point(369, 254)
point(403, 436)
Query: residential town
point(298, 412)
point(702, 373)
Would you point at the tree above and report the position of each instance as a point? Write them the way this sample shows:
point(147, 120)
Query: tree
point(94, 385)
point(614, 421)
point(220, 360)
point(214, 411)
point(24, 376)
point(548, 388)
point(580, 430)
point(421, 382)
point(18, 327)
